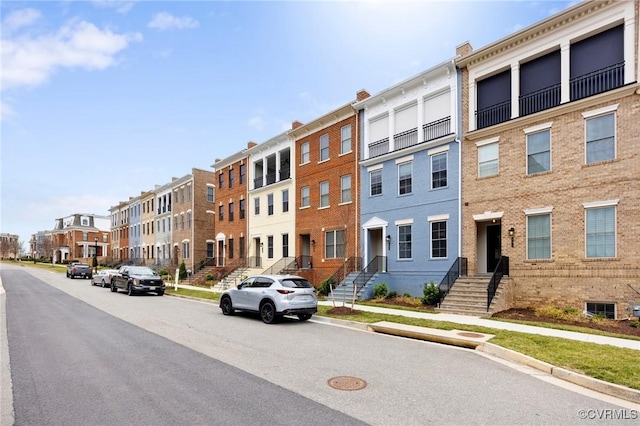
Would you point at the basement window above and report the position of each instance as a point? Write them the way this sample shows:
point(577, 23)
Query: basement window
point(599, 308)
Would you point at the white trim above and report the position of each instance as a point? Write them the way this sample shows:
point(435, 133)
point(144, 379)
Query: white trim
point(210, 211)
point(488, 141)
point(210, 241)
point(487, 216)
point(542, 210)
point(438, 217)
point(438, 150)
point(186, 240)
point(539, 127)
point(211, 185)
point(600, 111)
point(404, 222)
point(375, 168)
point(404, 159)
point(596, 204)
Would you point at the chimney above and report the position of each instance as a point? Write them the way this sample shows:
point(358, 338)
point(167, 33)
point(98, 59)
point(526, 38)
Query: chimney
point(251, 144)
point(296, 124)
point(464, 49)
point(362, 95)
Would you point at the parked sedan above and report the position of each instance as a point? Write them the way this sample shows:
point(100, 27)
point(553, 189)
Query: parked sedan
point(272, 296)
point(103, 277)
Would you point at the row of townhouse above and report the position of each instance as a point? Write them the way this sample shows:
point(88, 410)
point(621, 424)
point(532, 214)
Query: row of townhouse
point(517, 159)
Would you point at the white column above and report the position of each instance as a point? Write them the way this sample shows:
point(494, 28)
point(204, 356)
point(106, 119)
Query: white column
point(472, 104)
point(515, 90)
point(420, 119)
point(264, 171)
point(392, 129)
point(565, 63)
point(278, 166)
point(384, 246)
point(629, 33)
point(366, 136)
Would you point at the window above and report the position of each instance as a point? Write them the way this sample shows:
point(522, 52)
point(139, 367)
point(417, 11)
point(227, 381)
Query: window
point(256, 206)
point(232, 178)
point(404, 178)
point(105, 238)
point(189, 192)
point(270, 247)
point(539, 236)
point(221, 180)
point(209, 250)
point(606, 309)
point(601, 138)
point(241, 209)
point(375, 182)
point(345, 189)
point(601, 226)
point(182, 221)
point(488, 160)
point(285, 201)
point(304, 153)
point(182, 195)
point(189, 220)
point(438, 239)
point(85, 236)
point(324, 194)
point(324, 147)
point(243, 173)
point(304, 196)
point(185, 250)
point(334, 244)
point(210, 194)
point(285, 245)
point(404, 242)
point(345, 139)
point(221, 212)
point(241, 248)
point(231, 211)
point(539, 152)
point(175, 224)
point(439, 170)
point(270, 204)
point(230, 248)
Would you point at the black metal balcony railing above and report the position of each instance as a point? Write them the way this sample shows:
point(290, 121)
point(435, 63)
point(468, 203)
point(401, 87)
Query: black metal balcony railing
point(405, 139)
point(437, 129)
point(271, 178)
point(378, 148)
point(495, 114)
point(258, 182)
point(598, 81)
point(285, 173)
point(540, 100)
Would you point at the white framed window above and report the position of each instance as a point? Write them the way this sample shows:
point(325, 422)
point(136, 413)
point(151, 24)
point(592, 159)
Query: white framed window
point(404, 242)
point(304, 196)
point(488, 160)
point(345, 139)
point(600, 138)
point(439, 239)
point(405, 178)
point(539, 236)
point(185, 250)
point(345, 189)
point(439, 170)
point(210, 194)
point(270, 247)
point(269, 204)
point(256, 206)
point(539, 152)
point(324, 194)
point(375, 182)
point(600, 231)
point(324, 147)
point(304, 153)
point(285, 201)
point(334, 244)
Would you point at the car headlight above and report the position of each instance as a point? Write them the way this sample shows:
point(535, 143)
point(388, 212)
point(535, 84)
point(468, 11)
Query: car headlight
point(136, 281)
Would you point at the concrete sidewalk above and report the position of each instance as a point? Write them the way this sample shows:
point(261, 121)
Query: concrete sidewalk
point(501, 325)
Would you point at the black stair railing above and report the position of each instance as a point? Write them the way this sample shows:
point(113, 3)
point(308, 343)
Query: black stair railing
point(350, 265)
point(458, 269)
point(379, 263)
point(281, 265)
point(502, 269)
point(304, 262)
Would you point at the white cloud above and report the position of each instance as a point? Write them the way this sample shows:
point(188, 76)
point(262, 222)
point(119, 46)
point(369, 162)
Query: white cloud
point(28, 61)
point(257, 122)
point(119, 6)
point(20, 18)
point(165, 21)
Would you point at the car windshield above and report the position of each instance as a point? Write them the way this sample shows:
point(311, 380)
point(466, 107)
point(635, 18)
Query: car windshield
point(296, 283)
point(140, 270)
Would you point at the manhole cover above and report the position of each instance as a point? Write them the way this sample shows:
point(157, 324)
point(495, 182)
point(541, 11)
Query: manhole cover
point(347, 383)
point(474, 335)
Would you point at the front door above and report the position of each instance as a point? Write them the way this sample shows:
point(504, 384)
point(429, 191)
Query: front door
point(494, 246)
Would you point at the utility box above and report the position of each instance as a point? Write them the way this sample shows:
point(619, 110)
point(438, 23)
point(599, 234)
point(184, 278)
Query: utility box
point(636, 311)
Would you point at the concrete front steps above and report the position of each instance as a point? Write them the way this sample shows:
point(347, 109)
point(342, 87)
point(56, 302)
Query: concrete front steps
point(468, 296)
point(344, 291)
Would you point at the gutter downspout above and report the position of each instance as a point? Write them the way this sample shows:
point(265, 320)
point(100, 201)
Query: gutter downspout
point(459, 140)
point(356, 234)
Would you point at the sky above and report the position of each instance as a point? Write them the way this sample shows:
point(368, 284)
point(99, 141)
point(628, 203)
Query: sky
point(101, 100)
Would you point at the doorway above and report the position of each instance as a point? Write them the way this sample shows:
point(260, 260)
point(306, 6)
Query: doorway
point(494, 246)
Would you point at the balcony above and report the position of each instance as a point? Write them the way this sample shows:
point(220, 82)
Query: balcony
point(258, 182)
point(437, 129)
point(406, 139)
point(599, 81)
point(378, 148)
point(495, 114)
point(540, 100)
point(285, 173)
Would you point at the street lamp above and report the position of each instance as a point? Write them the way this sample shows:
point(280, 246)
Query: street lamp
point(95, 255)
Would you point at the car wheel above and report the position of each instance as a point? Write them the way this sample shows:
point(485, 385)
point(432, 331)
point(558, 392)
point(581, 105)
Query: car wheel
point(227, 306)
point(92, 283)
point(104, 284)
point(304, 317)
point(161, 293)
point(268, 313)
point(130, 290)
point(67, 275)
point(114, 289)
point(72, 276)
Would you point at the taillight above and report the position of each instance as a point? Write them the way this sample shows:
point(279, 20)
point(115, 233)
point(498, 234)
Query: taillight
point(282, 291)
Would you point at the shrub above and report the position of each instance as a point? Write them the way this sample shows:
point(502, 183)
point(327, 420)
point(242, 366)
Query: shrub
point(209, 277)
point(431, 294)
point(380, 290)
point(163, 272)
point(183, 271)
point(326, 285)
point(634, 324)
point(406, 295)
point(391, 295)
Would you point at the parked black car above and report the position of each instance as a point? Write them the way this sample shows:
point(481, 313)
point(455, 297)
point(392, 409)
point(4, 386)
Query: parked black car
point(77, 269)
point(137, 279)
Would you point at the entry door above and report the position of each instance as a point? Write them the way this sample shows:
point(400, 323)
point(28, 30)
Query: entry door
point(376, 241)
point(494, 246)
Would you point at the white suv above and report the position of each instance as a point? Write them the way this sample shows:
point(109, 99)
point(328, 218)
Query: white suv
point(272, 296)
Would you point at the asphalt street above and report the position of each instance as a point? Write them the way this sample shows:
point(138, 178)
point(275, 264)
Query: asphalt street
point(83, 355)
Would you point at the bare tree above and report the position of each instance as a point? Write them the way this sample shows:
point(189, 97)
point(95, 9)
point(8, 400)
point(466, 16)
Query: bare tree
point(16, 247)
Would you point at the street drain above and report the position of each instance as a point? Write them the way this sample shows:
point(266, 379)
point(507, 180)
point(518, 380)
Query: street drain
point(473, 335)
point(347, 383)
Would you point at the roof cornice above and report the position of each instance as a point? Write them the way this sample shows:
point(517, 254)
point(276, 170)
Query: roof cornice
point(339, 114)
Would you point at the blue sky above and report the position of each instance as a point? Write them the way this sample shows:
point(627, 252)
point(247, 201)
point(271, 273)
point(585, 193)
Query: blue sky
point(101, 100)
